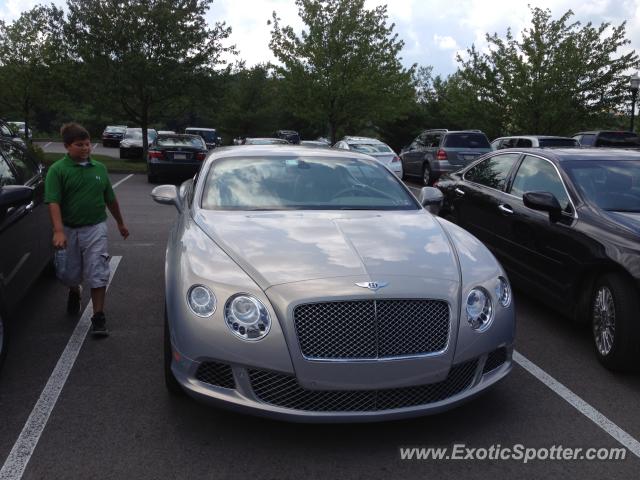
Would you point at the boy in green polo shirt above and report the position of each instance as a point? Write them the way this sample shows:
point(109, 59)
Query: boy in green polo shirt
point(77, 190)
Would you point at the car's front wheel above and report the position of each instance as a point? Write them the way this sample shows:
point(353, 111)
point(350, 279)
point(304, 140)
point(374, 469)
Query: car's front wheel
point(614, 322)
point(169, 379)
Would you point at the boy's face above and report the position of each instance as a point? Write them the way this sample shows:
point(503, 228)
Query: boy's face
point(79, 150)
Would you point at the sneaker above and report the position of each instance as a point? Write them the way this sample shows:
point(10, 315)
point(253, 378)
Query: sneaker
point(74, 301)
point(98, 327)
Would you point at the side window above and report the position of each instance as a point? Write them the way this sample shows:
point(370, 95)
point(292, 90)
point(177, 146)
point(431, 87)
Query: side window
point(422, 139)
point(6, 131)
point(7, 177)
point(26, 168)
point(536, 174)
point(436, 140)
point(587, 140)
point(492, 172)
point(509, 143)
point(524, 143)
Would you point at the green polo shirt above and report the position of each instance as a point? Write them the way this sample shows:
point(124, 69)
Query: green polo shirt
point(81, 191)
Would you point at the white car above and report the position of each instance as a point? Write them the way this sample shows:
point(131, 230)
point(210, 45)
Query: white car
point(373, 147)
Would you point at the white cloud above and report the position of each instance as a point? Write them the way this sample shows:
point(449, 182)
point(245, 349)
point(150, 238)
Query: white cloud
point(445, 43)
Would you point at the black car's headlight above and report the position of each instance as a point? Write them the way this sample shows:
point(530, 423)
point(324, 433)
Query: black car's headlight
point(247, 317)
point(479, 309)
point(201, 301)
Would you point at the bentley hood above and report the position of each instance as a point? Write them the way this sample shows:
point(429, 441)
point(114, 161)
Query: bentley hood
point(285, 247)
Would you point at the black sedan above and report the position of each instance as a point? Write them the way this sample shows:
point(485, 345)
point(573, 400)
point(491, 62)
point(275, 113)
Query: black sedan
point(112, 135)
point(565, 224)
point(25, 229)
point(177, 155)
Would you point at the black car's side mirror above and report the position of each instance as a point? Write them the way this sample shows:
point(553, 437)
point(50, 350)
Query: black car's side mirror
point(15, 196)
point(544, 202)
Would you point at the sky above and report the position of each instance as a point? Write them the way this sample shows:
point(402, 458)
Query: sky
point(433, 31)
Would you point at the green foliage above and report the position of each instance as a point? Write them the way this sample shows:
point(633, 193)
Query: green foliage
point(142, 55)
point(561, 77)
point(344, 70)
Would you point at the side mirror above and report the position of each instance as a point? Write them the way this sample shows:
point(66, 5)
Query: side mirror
point(167, 195)
point(431, 199)
point(542, 201)
point(15, 196)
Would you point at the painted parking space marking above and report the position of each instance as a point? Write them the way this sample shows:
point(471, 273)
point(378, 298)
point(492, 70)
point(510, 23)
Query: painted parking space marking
point(20, 454)
point(94, 146)
point(579, 404)
point(46, 145)
point(123, 180)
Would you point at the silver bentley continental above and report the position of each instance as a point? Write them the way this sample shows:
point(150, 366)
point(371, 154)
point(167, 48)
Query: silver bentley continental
point(311, 285)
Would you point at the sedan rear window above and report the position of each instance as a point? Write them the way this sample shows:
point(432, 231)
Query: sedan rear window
point(466, 140)
point(191, 141)
point(303, 183)
point(370, 147)
point(558, 142)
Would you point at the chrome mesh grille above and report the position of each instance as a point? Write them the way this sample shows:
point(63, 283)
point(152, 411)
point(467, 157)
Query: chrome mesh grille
point(495, 359)
point(284, 391)
point(214, 373)
point(370, 329)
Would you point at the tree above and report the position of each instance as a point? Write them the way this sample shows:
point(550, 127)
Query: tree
point(143, 53)
point(28, 49)
point(559, 78)
point(344, 70)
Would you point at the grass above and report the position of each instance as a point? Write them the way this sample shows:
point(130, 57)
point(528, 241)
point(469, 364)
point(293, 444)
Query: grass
point(114, 165)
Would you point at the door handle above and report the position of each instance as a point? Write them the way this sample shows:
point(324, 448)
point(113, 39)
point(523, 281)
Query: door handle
point(459, 191)
point(30, 206)
point(506, 209)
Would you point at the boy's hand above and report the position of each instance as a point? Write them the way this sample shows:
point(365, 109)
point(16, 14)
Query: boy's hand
point(123, 230)
point(59, 240)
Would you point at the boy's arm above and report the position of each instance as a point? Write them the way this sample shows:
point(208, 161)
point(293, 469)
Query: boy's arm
point(114, 208)
point(59, 238)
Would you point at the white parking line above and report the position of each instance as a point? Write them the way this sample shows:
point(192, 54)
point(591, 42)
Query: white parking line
point(579, 404)
point(46, 145)
point(17, 461)
point(123, 180)
point(94, 147)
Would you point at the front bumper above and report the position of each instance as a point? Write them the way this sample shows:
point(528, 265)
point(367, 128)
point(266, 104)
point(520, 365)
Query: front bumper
point(279, 395)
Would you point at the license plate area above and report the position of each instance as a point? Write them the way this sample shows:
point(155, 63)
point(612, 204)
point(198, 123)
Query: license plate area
point(179, 156)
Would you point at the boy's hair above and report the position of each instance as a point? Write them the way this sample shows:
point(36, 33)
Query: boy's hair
point(71, 132)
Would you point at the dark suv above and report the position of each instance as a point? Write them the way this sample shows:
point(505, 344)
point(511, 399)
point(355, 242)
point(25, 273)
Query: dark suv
point(25, 228)
point(609, 139)
point(290, 136)
point(435, 152)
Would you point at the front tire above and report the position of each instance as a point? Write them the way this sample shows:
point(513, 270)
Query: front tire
point(170, 381)
point(614, 325)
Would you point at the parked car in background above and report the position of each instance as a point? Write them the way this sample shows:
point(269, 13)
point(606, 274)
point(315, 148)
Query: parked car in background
point(166, 132)
point(373, 147)
point(175, 155)
point(533, 141)
point(290, 136)
point(7, 132)
point(264, 141)
point(112, 135)
point(436, 152)
point(283, 297)
point(131, 143)
point(209, 135)
point(609, 139)
point(565, 224)
point(19, 128)
point(25, 229)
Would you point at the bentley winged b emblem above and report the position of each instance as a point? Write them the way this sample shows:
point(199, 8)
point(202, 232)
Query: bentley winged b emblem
point(375, 286)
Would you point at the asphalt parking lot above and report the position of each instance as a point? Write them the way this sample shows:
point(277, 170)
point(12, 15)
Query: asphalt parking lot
point(114, 419)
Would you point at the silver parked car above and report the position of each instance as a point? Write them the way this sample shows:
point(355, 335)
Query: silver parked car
point(374, 148)
point(311, 285)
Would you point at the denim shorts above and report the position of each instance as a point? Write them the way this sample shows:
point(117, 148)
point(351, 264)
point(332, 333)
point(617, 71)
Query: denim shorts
point(87, 256)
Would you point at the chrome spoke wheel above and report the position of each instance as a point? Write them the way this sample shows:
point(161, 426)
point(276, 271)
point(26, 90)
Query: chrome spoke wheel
point(604, 320)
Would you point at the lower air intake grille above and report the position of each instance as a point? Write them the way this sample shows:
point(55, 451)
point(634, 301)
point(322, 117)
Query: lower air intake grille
point(284, 391)
point(217, 374)
point(495, 359)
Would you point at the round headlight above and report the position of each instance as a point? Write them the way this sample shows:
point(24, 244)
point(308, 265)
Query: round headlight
point(503, 292)
point(201, 301)
point(247, 317)
point(479, 310)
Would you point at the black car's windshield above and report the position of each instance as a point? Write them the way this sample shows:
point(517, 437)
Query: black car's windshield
point(116, 129)
point(558, 142)
point(136, 134)
point(208, 135)
point(611, 185)
point(305, 183)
